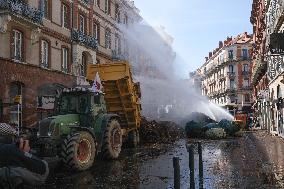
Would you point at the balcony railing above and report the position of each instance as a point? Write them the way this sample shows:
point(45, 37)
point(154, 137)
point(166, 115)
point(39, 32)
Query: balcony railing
point(245, 73)
point(19, 8)
point(84, 39)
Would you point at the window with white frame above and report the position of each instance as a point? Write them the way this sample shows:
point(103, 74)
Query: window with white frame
point(95, 30)
point(44, 54)
point(17, 45)
point(82, 23)
point(117, 44)
point(65, 16)
point(64, 59)
point(108, 39)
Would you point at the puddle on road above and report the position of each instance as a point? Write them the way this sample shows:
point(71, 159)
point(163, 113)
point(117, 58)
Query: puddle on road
point(232, 163)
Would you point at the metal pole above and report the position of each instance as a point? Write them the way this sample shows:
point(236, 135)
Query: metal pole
point(191, 166)
point(176, 173)
point(200, 166)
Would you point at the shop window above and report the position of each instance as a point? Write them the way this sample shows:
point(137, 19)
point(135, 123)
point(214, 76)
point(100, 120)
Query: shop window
point(16, 95)
point(17, 45)
point(108, 39)
point(45, 62)
point(65, 17)
point(65, 59)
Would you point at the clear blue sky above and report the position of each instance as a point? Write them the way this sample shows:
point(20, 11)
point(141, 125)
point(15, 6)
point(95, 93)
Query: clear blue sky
point(197, 25)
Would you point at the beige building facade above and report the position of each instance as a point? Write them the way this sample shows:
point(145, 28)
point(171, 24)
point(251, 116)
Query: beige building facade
point(226, 74)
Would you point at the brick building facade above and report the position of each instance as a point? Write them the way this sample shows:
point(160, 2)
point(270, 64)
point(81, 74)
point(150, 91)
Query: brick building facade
point(45, 45)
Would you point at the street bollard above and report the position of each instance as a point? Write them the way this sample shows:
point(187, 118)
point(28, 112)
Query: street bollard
point(191, 166)
point(176, 173)
point(200, 166)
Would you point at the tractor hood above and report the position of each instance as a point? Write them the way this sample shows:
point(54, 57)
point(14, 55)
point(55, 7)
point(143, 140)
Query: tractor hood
point(57, 125)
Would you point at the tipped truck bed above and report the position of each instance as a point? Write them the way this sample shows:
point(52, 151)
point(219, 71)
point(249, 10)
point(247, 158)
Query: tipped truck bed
point(122, 95)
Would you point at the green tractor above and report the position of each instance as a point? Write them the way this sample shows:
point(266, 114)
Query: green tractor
point(79, 130)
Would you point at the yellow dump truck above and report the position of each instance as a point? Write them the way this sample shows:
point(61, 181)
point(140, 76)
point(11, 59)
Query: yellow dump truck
point(122, 94)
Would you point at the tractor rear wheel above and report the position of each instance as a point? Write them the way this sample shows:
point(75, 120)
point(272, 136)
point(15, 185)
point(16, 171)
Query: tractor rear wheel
point(112, 140)
point(134, 138)
point(79, 151)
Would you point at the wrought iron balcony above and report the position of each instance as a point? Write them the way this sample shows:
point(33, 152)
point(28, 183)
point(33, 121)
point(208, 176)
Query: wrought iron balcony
point(18, 7)
point(84, 39)
point(221, 76)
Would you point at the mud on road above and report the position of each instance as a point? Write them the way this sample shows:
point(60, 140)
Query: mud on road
point(252, 161)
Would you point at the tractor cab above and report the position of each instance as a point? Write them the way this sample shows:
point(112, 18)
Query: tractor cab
point(80, 101)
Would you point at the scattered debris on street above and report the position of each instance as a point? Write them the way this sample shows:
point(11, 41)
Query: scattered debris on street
point(159, 132)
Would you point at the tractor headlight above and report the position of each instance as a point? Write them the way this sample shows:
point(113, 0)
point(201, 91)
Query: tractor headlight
point(37, 134)
point(49, 134)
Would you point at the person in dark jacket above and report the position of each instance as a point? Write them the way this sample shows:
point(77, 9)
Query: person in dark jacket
point(17, 165)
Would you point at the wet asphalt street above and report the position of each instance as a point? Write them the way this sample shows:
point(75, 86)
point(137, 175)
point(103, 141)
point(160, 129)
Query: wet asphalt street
point(255, 160)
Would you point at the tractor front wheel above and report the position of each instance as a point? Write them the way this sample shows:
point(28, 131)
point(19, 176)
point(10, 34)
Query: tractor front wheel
point(79, 151)
point(112, 140)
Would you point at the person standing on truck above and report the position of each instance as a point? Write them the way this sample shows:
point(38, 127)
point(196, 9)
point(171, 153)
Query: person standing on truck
point(17, 165)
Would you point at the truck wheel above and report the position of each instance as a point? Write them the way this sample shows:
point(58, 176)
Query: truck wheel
point(134, 138)
point(78, 151)
point(112, 140)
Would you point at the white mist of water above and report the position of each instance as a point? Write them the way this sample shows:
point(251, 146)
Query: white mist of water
point(164, 96)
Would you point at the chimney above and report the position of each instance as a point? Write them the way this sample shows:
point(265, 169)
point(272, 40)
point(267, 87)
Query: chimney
point(220, 44)
point(206, 59)
point(210, 54)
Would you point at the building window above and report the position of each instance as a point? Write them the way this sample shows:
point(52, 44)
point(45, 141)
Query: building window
point(245, 54)
point(81, 23)
point(125, 19)
point(65, 16)
point(65, 60)
point(246, 83)
point(117, 13)
point(47, 9)
point(44, 54)
point(117, 44)
point(17, 45)
point(247, 97)
point(231, 54)
point(232, 84)
point(108, 7)
point(108, 38)
point(245, 68)
point(95, 31)
point(84, 65)
point(231, 68)
point(97, 3)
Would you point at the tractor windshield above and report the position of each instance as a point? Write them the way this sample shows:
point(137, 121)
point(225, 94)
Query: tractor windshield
point(73, 104)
